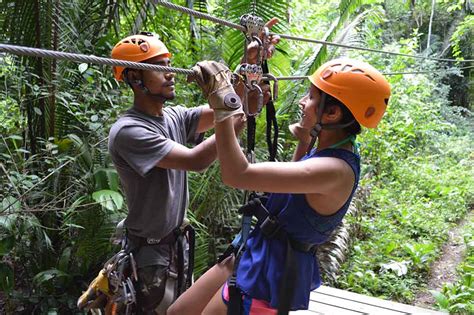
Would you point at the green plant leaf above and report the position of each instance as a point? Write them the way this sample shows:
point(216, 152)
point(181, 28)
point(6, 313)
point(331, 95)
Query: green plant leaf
point(6, 278)
point(109, 199)
point(8, 221)
point(47, 275)
point(441, 299)
point(6, 245)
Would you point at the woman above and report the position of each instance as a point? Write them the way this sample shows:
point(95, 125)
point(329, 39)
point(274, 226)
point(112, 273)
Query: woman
point(309, 196)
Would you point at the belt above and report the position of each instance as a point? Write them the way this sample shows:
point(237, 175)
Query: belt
point(149, 241)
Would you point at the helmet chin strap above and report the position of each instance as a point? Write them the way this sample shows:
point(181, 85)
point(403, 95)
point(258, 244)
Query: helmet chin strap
point(141, 85)
point(319, 126)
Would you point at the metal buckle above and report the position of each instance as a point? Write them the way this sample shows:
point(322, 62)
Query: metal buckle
point(270, 226)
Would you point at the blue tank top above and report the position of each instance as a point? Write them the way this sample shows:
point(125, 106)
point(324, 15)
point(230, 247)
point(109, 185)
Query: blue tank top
point(263, 262)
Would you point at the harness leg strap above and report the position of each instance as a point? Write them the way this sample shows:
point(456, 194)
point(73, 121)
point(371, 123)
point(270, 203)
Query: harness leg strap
point(168, 296)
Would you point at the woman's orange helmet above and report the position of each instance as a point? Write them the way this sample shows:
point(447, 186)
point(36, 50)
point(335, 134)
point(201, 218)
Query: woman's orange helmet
point(138, 48)
point(358, 85)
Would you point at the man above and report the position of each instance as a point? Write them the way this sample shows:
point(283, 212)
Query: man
point(147, 146)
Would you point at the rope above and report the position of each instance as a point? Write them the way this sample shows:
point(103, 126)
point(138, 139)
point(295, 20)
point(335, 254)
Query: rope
point(45, 53)
point(291, 37)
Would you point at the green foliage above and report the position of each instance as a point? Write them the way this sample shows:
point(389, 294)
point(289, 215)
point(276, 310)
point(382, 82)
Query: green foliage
point(418, 169)
point(456, 298)
point(464, 32)
point(60, 196)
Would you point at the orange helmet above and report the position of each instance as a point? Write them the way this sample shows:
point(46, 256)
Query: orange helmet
point(138, 48)
point(358, 85)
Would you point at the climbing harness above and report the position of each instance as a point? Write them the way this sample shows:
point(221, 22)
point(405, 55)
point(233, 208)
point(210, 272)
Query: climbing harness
point(272, 229)
point(115, 287)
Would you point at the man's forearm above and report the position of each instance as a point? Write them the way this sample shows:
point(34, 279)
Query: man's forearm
point(206, 153)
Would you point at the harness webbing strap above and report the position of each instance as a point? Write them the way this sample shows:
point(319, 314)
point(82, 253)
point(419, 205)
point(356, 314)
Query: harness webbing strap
point(270, 228)
point(180, 270)
point(235, 306)
point(288, 281)
point(270, 111)
point(251, 129)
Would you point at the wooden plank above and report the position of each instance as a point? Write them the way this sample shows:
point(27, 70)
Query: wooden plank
point(316, 308)
point(351, 297)
point(358, 306)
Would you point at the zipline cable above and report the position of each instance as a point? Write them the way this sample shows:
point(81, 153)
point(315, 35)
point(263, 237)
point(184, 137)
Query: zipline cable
point(322, 42)
point(45, 53)
point(296, 38)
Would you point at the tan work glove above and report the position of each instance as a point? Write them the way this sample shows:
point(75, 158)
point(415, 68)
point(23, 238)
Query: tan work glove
point(214, 80)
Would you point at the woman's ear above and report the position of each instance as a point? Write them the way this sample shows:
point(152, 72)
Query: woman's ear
point(332, 114)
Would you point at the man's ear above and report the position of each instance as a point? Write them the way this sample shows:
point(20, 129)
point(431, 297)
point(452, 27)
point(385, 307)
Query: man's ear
point(133, 76)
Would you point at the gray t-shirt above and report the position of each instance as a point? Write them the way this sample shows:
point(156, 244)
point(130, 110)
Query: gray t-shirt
point(157, 198)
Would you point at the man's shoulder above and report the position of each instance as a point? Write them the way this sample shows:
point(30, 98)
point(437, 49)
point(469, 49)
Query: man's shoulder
point(175, 110)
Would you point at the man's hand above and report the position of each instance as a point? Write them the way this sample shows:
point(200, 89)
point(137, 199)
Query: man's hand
point(214, 80)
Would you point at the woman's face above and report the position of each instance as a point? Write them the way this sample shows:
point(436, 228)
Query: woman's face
point(309, 105)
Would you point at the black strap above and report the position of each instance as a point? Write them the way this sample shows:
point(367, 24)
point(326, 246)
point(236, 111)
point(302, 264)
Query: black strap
point(180, 266)
point(189, 233)
point(288, 281)
point(270, 112)
point(235, 306)
point(251, 129)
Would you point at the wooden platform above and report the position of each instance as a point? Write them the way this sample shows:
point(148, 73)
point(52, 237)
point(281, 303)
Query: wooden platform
point(327, 300)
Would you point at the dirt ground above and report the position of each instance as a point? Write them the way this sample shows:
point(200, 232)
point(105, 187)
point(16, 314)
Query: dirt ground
point(444, 269)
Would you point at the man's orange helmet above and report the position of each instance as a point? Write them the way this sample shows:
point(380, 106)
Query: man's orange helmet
point(138, 48)
point(358, 85)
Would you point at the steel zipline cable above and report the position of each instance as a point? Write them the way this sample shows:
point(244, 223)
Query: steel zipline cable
point(45, 53)
point(296, 38)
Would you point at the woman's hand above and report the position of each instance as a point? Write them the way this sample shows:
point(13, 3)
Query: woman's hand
point(270, 42)
point(302, 134)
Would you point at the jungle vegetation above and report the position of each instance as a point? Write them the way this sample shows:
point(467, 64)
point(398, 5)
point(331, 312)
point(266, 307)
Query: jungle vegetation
point(60, 197)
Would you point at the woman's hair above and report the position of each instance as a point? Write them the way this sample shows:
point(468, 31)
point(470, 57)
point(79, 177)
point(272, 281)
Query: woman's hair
point(354, 128)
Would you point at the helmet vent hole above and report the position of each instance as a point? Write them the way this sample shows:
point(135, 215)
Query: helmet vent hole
point(357, 71)
point(346, 67)
point(327, 73)
point(133, 40)
point(386, 101)
point(368, 76)
point(369, 112)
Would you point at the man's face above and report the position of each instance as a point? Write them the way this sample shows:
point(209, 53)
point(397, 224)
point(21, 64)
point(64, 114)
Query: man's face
point(159, 84)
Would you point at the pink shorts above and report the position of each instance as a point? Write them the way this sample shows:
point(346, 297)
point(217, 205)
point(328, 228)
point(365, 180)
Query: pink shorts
point(251, 306)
